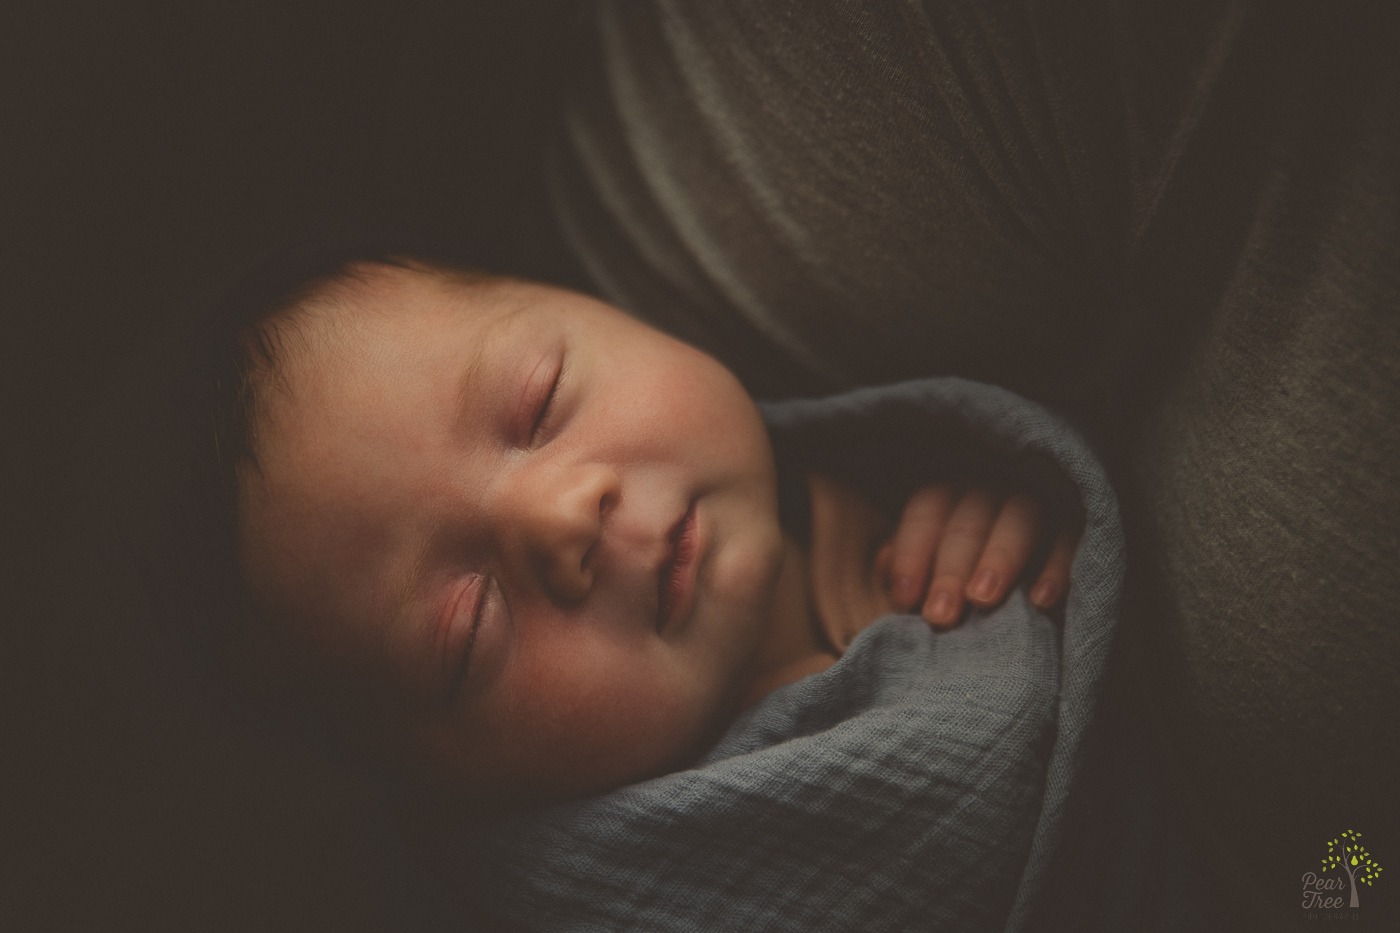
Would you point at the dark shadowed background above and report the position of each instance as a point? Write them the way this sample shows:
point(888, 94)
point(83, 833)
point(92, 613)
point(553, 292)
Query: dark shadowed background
point(150, 152)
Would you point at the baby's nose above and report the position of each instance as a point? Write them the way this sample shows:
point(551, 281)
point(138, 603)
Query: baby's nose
point(558, 523)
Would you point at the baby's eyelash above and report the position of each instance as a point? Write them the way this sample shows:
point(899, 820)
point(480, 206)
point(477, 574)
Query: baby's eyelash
point(477, 615)
point(547, 405)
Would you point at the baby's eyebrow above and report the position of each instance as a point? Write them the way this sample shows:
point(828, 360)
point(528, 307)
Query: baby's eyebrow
point(488, 346)
point(406, 592)
point(467, 383)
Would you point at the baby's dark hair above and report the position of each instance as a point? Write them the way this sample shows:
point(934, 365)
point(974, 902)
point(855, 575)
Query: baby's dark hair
point(190, 559)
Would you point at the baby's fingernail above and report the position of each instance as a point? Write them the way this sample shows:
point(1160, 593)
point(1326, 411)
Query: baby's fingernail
point(1044, 594)
point(942, 607)
point(984, 587)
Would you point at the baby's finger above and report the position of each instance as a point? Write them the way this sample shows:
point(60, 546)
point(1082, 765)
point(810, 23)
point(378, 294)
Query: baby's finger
point(884, 563)
point(1053, 581)
point(911, 557)
point(1008, 548)
point(961, 545)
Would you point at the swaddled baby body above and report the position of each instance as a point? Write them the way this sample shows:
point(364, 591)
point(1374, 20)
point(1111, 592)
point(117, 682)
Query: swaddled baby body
point(520, 547)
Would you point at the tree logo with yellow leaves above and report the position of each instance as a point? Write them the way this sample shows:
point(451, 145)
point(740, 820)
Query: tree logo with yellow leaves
point(1345, 854)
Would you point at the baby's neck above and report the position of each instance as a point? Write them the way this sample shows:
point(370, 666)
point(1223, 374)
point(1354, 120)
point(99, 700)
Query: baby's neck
point(793, 646)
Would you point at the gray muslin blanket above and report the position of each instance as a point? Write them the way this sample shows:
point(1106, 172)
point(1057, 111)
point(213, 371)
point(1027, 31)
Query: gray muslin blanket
point(920, 783)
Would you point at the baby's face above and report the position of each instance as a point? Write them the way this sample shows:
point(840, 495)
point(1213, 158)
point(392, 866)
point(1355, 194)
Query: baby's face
point(546, 531)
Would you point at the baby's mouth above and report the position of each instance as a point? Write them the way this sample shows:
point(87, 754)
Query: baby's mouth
point(675, 576)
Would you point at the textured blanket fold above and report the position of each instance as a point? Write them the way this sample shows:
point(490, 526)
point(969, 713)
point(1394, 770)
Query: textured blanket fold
point(919, 783)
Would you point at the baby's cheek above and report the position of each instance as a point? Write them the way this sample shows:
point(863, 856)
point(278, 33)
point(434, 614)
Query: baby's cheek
point(741, 583)
point(746, 572)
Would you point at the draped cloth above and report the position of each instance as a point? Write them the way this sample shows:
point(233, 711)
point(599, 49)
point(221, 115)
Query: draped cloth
point(1176, 223)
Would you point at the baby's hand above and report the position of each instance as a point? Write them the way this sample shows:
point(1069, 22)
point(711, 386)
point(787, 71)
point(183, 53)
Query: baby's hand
point(969, 546)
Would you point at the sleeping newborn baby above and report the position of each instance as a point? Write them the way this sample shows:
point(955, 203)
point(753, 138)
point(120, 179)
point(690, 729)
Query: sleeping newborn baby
point(520, 547)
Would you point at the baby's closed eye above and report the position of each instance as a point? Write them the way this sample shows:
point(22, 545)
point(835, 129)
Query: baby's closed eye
point(538, 401)
point(460, 625)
